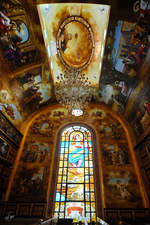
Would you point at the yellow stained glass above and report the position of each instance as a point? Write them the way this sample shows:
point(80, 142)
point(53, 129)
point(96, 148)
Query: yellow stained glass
point(64, 171)
point(56, 206)
point(58, 187)
point(64, 179)
point(90, 164)
point(93, 206)
point(86, 179)
point(60, 171)
point(86, 163)
point(60, 164)
point(65, 164)
point(91, 171)
point(91, 179)
point(87, 187)
point(62, 206)
point(59, 179)
point(92, 196)
point(94, 217)
point(90, 157)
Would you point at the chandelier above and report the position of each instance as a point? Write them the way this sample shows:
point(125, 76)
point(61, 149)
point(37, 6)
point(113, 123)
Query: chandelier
point(73, 91)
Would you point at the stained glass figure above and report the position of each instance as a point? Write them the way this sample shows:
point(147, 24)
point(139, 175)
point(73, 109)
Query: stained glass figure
point(75, 196)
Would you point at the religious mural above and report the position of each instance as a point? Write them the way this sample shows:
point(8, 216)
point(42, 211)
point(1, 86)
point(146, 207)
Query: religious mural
point(141, 118)
point(77, 38)
point(9, 130)
point(20, 92)
point(44, 128)
point(29, 89)
point(36, 153)
point(126, 49)
point(15, 36)
point(115, 154)
point(76, 154)
point(30, 182)
point(121, 190)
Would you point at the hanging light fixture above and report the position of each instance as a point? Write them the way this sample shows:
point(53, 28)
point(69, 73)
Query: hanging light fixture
point(73, 91)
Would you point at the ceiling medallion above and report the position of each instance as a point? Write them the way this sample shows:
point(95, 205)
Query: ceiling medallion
point(73, 91)
point(75, 43)
point(75, 49)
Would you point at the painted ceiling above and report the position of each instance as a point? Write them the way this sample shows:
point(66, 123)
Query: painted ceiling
point(75, 36)
point(34, 51)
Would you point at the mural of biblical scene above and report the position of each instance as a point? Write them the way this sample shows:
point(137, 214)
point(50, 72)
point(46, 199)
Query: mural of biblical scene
point(126, 49)
point(141, 9)
point(115, 89)
point(141, 118)
point(12, 7)
point(29, 185)
point(122, 190)
point(130, 47)
point(112, 130)
point(58, 114)
point(11, 111)
point(7, 105)
point(43, 128)
point(9, 130)
point(115, 154)
point(14, 35)
point(4, 148)
point(75, 196)
point(36, 152)
point(97, 113)
point(29, 90)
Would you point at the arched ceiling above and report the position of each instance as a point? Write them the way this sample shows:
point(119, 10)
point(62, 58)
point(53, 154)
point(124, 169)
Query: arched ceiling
point(28, 73)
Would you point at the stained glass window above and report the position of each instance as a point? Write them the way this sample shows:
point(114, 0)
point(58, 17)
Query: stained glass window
point(75, 196)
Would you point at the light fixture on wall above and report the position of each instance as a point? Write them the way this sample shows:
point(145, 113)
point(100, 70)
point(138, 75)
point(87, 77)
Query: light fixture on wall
point(73, 91)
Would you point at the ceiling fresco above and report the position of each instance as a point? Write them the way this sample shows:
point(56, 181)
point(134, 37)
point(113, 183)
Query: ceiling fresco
point(25, 82)
point(40, 41)
point(75, 37)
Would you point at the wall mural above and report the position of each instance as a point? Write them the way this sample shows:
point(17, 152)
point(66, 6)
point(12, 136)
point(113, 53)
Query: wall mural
point(36, 153)
point(119, 173)
point(43, 128)
point(9, 130)
point(139, 116)
point(121, 190)
point(30, 183)
point(8, 105)
point(115, 154)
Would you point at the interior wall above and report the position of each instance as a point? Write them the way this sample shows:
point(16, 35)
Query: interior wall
point(32, 174)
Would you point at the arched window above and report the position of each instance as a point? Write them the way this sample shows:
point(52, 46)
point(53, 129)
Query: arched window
point(75, 195)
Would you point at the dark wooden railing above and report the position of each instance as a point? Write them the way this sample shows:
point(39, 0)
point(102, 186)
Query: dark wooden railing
point(128, 213)
point(23, 209)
